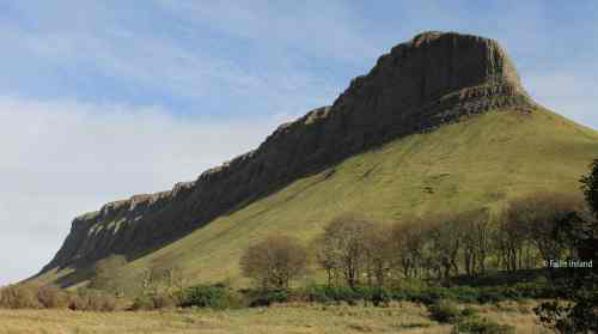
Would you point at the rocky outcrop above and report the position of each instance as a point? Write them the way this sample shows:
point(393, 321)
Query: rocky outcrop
point(433, 79)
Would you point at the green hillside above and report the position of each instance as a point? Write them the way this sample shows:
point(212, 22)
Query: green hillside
point(481, 161)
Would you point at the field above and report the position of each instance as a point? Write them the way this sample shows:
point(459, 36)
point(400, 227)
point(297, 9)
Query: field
point(292, 318)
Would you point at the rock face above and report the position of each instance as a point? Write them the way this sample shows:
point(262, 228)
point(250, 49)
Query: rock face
point(433, 79)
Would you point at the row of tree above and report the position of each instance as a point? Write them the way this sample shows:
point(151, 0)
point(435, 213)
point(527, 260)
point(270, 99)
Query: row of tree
point(354, 250)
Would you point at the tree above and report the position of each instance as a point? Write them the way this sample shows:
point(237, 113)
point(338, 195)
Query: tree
point(345, 247)
point(590, 187)
point(327, 259)
point(407, 239)
point(445, 242)
point(536, 221)
point(108, 274)
point(475, 226)
point(377, 254)
point(274, 262)
point(579, 314)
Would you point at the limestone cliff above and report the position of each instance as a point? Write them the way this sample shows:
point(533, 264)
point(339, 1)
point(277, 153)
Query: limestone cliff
point(433, 79)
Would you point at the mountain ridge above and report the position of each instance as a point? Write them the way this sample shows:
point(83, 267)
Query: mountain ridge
point(434, 79)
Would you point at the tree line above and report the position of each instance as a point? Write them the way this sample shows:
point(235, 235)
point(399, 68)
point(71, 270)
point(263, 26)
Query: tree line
point(354, 250)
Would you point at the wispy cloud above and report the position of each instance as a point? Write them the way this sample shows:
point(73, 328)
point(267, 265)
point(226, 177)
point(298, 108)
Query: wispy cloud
point(322, 29)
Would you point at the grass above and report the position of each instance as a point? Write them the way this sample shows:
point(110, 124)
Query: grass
point(292, 318)
point(481, 161)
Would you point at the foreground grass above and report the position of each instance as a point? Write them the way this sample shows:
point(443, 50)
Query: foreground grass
point(287, 318)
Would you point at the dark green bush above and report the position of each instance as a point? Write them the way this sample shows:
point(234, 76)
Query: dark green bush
point(466, 294)
point(212, 296)
point(267, 298)
point(479, 326)
point(380, 296)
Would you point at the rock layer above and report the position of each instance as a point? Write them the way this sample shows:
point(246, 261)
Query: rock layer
point(433, 79)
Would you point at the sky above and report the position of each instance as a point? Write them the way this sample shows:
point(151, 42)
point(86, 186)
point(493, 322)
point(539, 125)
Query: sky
point(100, 100)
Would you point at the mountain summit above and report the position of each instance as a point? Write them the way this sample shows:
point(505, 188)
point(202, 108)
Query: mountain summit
point(431, 81)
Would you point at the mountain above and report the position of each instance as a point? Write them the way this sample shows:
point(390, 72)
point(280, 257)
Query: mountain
point(440, 123)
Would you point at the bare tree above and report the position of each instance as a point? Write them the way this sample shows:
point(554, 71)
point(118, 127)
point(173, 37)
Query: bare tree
point(274, 262)
point(444, 244)
point(475, 233)
point(378, 254)
point(328, 259)
point(407, 241)
point(344, 240)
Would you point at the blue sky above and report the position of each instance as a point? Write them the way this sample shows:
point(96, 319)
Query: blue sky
point(103, 99)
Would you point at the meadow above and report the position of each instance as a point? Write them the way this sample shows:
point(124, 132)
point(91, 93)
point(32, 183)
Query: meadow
point(402, 317)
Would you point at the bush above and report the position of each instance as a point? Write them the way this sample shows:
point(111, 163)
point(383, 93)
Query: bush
point(144, 303)
point(155, 302)
point(269, 297)
point(478, 326)
point(19, 296)
point(213, 296)
point(92, 300)
point(51, 296)
point(380, 296)
point(445, 311)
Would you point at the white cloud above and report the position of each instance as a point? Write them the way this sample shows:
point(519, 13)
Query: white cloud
point(60, 159)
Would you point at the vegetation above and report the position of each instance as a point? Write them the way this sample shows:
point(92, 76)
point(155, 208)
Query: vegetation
point(590, 187)
point(344, 248)
point(205, 296)
point(482, 326)
point(291, 318)
point(108, 274)
point(445, 311)
point(485, 161)
point(274, 262)
point(434, 252)
point(32, 296)
point(578, 312)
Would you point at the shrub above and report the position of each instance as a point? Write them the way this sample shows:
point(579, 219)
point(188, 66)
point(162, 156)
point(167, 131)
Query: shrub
point(143, 302)
point(479, 326)
point(92, 300)
point(445, 311)
point(213, 296)
point(19, 296)
point(468, 312)
point(51, 296)
point(380, 296)
point(466, 294)
point(155, 302)
point(267, 298)
point(429, 296)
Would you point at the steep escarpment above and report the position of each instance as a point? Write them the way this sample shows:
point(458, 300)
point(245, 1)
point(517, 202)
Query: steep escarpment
point(434, 79)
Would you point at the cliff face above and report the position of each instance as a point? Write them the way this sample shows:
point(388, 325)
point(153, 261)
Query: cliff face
point(433, 79)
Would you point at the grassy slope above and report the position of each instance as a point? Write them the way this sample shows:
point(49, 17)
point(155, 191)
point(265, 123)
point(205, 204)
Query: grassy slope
point(480, 161)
